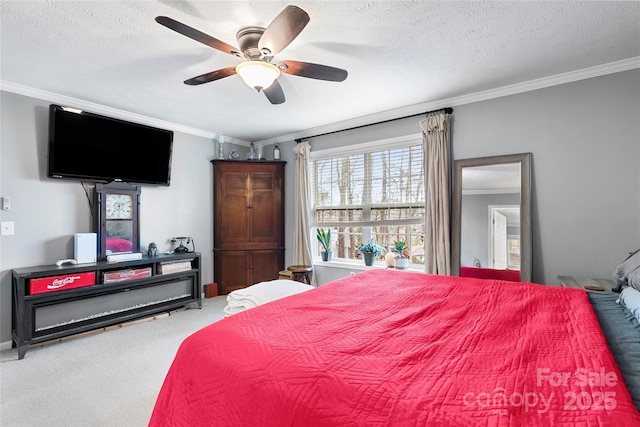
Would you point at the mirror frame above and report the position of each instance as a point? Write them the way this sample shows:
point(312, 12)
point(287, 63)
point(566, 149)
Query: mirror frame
point(524, 159)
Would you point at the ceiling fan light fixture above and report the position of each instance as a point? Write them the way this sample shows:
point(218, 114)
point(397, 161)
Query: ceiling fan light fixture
point(257, 74)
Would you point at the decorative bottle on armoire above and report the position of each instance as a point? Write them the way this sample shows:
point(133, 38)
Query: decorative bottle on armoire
point(221, 148)
point(276, 152)
point(252, 152)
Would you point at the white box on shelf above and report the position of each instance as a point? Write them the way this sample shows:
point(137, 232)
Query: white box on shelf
point(128, 256)
point(85, 247)
point(174, 267)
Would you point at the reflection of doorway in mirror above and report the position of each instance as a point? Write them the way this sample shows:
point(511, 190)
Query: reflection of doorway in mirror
point(504, 240)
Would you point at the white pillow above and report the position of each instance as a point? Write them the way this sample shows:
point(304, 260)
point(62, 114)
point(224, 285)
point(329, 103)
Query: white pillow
point(633, 279)
point(630, 298)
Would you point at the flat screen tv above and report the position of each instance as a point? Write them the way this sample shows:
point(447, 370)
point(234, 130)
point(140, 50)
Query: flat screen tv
point(89, 147)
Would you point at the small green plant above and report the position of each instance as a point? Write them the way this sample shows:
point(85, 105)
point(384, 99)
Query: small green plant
point(371, 247)
point(400, 247)
point(324, 237)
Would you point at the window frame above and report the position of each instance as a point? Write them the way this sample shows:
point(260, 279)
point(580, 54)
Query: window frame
point(360, 149)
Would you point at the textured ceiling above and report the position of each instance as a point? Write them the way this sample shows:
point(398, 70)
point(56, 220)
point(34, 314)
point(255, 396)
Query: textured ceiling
point(398, 54)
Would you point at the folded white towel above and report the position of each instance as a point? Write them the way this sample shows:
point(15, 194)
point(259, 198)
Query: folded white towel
point(233, 309)
point(630, 298)
point(261, 293)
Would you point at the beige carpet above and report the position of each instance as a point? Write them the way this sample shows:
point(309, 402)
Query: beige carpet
point(109, 378)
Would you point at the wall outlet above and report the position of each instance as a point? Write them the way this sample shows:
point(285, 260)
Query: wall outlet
point(6, 228)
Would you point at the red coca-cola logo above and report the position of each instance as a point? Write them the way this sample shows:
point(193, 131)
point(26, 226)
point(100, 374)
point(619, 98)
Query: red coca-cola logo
point(58, 283)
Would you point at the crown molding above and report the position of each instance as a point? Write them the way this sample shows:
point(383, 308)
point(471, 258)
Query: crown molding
point(113, 112)
point(544, 82)
point(558, 79)
point(491, 191)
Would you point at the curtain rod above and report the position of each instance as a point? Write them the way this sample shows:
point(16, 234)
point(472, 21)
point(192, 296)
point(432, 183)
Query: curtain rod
point(446, 110)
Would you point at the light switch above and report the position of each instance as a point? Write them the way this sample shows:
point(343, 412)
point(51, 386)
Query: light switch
point(6, 228)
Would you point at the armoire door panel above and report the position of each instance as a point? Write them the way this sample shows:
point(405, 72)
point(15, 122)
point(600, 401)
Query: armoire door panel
point(234, 183)
point(266, 265)
point(266, 200)
point(262, 182)
point(231, 271)
point(234, 200)
point(265, 217)
point(234, 227)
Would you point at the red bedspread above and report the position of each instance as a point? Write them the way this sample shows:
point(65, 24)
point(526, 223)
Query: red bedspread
point(390, 348)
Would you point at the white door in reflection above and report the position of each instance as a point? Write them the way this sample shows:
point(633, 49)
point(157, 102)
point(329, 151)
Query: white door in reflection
point(499, 240)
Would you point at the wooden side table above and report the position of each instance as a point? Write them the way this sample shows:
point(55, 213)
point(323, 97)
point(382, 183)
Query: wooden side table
point(589, 285)
point(301, 273)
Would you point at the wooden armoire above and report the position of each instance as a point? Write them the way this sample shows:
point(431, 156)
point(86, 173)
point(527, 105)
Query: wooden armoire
point(248, 229)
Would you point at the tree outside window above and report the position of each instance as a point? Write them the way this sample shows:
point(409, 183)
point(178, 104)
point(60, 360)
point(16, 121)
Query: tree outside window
point(375, 195)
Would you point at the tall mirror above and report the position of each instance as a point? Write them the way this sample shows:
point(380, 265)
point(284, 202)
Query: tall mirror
point(491, 234)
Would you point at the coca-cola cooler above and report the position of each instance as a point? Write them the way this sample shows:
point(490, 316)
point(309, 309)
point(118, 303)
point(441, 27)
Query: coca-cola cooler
point(61, 283)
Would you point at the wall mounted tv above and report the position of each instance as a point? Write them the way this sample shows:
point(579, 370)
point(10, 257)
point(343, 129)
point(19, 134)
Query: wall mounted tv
point(89, 147)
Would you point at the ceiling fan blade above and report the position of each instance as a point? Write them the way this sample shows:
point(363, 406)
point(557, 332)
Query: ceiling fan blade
point(274, 93)
point(196, 35)
point(313, 71)
point(213, 75)
point(283, 29)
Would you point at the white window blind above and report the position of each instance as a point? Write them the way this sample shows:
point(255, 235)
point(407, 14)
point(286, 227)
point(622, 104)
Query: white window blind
point(378, 188)
point(376, 193)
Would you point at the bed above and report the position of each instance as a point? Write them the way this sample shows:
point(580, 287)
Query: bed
point(392, 348)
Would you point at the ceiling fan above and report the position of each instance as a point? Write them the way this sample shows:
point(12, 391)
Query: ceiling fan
point(258, 46)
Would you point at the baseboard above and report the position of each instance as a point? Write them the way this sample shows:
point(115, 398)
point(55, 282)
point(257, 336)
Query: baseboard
point(8, 344)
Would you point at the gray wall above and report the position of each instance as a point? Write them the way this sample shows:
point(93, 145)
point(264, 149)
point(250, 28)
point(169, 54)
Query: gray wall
point(48, 212)
point(585, 140)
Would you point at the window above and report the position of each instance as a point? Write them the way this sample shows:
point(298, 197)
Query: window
point(370, 191)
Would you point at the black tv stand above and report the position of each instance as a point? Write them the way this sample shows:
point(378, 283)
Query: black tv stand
point(46, 316)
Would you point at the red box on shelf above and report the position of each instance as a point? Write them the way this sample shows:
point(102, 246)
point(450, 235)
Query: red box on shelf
point(122, 275)
point(61, 283)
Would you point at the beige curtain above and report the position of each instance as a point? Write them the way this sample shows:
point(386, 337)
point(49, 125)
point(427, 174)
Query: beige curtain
point(302, 203)
point(437, 149)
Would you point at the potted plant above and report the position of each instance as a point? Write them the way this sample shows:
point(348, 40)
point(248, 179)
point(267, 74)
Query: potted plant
point(402, 256)
point(370, 251)
point(324, 237)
